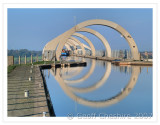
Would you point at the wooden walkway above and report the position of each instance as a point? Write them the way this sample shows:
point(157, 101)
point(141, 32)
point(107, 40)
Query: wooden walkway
point(36, 103)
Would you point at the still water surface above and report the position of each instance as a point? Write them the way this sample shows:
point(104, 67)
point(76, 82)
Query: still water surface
point(100, 89)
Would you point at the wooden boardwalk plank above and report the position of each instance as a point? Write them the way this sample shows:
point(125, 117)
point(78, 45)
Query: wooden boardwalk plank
point(36, 103)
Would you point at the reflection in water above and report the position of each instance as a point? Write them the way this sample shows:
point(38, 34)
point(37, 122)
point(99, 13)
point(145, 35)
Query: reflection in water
point(64, 76)
point(101, 103)
point(124, 69)
point(83, 78)
point(70, 72)
point(95, 85)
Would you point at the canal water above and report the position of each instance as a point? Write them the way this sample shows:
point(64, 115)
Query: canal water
point(100, 89)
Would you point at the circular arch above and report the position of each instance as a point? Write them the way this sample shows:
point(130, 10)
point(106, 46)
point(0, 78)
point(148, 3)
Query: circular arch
point(121, 30)
point(97, 34)
point(78, 42)
point(88, 41)
point(67, 45)
point(71, 44)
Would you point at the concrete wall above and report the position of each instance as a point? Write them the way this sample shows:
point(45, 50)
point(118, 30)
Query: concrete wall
point(10, 60)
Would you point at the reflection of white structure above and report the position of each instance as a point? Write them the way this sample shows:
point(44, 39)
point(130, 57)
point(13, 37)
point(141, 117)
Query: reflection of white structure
point(101, 103)
point(85, 76)
point(97, 84)
point(73, 72)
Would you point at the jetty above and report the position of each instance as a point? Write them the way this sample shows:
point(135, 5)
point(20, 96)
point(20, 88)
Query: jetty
point(26, 93)
point(135, 63)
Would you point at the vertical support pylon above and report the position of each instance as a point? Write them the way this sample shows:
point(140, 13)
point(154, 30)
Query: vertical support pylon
point(19, 60)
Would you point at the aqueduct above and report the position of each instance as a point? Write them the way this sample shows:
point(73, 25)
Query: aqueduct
point(66, 39)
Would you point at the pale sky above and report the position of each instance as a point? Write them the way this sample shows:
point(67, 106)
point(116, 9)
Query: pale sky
point(32, 28)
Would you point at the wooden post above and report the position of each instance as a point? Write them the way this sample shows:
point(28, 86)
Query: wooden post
point(19, 60)
point(13, 60)
point(25, 59)
point(31, 59)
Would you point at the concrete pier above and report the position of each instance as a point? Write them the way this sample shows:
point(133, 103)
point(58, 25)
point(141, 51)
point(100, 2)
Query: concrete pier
point(36, 103)
point(96, 57)
point(119, 63)
point(136, 63)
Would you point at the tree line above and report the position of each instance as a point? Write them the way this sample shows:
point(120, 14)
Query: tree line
point(23, 52)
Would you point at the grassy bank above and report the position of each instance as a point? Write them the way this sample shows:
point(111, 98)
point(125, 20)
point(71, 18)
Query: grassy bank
point(12, 67)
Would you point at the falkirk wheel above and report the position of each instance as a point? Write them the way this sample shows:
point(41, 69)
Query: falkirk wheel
point(55, 46)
